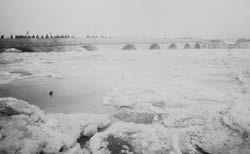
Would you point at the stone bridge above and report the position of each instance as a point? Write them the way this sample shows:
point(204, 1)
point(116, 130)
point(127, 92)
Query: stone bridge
point(161, 45)
point(52, 44)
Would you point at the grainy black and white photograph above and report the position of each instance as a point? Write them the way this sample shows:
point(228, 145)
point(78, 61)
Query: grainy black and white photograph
point(124, 77)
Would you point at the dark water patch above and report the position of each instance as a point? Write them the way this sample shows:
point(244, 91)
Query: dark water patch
point(62, 149)
point(118, 145)
point(83, 141)
point(139, 118)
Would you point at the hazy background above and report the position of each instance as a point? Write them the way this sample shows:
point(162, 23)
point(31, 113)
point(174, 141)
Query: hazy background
point(157, 18)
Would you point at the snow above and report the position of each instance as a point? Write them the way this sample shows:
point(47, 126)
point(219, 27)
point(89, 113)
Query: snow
point(26, 129)
point(173, 101)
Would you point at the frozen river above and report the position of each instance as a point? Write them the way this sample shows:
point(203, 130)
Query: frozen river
point(80, 79)
point(180, 90)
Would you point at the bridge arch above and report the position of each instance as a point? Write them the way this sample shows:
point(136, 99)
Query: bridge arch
point(173, 46)
point(129, 47)
point(155, 46)
point(187, 46)
point(197, 46)
point(90, 47)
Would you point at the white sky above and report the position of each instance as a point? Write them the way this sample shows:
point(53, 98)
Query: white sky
point(157, 18)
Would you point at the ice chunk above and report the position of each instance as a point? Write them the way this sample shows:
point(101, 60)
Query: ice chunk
point(26, 129)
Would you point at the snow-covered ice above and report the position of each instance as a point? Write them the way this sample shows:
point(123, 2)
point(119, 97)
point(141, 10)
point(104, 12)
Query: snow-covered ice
point(178, 101)
point(27, 129)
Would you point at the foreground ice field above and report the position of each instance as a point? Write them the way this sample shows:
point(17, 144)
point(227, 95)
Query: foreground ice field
point(173, 102)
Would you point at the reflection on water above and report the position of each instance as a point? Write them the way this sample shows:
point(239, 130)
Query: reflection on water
point(71, 95)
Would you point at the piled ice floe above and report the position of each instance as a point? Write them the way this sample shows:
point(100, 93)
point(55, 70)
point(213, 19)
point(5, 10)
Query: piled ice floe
point(26, 129)
point(197, 120)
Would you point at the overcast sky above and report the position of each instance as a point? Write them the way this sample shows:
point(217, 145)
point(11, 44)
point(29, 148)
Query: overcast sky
point(157, 18)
